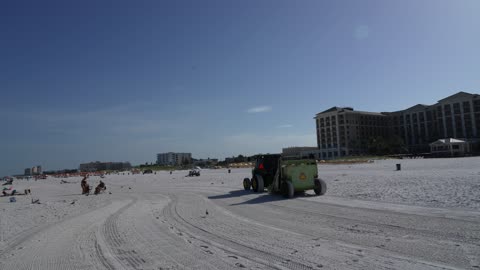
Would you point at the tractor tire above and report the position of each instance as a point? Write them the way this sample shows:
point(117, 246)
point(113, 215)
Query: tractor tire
point(257, 183)
point(287, 189)
point(247, 184)
point(320, 187)
point(290, 190)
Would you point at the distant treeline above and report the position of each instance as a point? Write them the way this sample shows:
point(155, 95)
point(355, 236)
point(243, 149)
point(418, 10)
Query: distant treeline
point(61, 171)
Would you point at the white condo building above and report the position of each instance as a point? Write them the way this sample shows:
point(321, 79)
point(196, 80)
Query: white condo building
point(172, 158)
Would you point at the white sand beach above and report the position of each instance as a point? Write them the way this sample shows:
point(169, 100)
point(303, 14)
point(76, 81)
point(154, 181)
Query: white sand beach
point(426, 216)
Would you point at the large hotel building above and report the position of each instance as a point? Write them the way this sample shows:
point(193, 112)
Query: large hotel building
point(344, 131)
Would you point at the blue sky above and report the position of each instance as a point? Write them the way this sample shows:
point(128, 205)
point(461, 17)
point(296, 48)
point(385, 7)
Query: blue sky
point(123, 80)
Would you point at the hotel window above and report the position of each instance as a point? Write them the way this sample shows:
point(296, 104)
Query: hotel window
point(466, 107)
point(429, 116)
point(476, 105)
point(447, 109)
point(456, 108)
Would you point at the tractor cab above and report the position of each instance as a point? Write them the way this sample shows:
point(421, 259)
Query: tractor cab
point(263, 174)
point(267, 164)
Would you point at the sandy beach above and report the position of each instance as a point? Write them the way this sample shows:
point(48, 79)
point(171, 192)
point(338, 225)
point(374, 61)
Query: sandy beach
point(426, 216)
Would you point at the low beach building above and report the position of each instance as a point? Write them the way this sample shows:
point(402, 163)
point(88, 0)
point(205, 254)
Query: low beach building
point(301, 152)
point(449, 147)
point(205, 162)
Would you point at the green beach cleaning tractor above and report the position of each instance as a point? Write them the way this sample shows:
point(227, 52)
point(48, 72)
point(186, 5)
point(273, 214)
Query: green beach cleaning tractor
point(285, 176)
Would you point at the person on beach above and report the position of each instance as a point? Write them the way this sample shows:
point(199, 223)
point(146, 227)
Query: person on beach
point(85, 186)
point(101, 187)
point(14, 192)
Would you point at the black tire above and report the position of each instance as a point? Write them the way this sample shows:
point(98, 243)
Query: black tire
point(287, 189)
point(261, 185)
point(320, 187)
point(290, 190)
point(247, 184)
point(257, 183)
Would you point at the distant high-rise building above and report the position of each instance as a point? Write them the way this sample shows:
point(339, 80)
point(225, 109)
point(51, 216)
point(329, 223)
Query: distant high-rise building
point(28, 171)
point(344, 131)
point(36, 170)
point(172, 158)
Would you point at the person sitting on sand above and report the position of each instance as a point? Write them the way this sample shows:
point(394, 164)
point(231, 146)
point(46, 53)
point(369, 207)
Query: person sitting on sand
point(101, 187)
point(11, 194)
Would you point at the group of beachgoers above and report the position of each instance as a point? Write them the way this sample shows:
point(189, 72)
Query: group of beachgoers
point(101, 187)
point(10, 191)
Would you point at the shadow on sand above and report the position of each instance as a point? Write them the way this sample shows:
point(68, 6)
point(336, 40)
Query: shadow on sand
point(75, 194)
point(268, 197)
point(261, 198)
point(231, 194)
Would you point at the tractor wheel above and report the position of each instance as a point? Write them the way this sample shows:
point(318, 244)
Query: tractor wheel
point(257, 183)
point(247, 184)
point(290, 190)
point(287, 189)
point(320, 187)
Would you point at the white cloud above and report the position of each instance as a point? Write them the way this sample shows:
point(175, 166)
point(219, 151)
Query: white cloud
point(259, 109)
point(285, 126)
point(361, 31)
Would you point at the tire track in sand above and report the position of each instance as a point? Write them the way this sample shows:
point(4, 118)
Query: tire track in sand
point(260, 256)
point(120, 248)
point(69, 244)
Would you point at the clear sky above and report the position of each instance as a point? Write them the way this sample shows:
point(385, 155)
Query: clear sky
point(124, 80)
